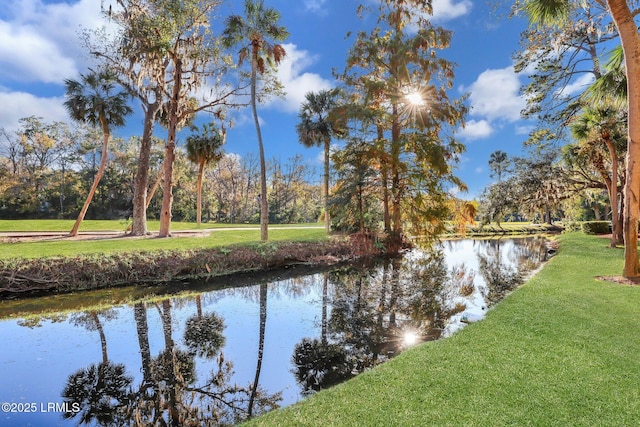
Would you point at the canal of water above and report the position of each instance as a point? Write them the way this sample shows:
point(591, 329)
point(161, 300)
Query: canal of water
point(225, 353)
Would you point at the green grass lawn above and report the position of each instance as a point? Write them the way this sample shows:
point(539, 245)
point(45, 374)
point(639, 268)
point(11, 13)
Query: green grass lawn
point(62, 225)
point(62, 246)
point(562, 350)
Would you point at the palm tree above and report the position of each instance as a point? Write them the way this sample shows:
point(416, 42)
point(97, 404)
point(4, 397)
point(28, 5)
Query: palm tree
point(316, 129)
point(602, 125)
point(93, 101)
point(498, 163)
point(204, 148)
point(257, 33)
point(611, 87)
point(546, 12)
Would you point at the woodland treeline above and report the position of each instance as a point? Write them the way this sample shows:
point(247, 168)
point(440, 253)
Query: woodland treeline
point(46, 170)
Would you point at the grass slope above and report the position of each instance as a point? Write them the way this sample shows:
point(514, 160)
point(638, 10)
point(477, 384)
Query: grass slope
point(217, 238)
point(562, 350)
point(65, 225)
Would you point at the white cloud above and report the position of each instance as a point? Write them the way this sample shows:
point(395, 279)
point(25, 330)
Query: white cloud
point(443, 10)
point(40, 45)
point(316, 6)
point(39, 42)
point(579, 85)
point(17, 105)
point(476, 129)
point(245, 118)
point(446, 10)
point(296, 82)
point(524, 130)
point(454, 191)
point(494, 95)
point(26, 56)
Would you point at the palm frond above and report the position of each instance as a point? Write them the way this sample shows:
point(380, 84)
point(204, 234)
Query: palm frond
point(548, 12)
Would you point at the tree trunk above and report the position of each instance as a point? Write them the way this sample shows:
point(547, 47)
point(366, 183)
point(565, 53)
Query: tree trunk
point(96, 179)
point(142, 328)
point(620, 236)
point(613, 192)
point(170, 154)
point(199, 190)
point(325, 302)
point(264, 206)
point(103, 338)
point(327, 147)
point(167, 191)
point(384, 170)
point(140, 183)
point(263, 324)
point(631, 47)
point(360, 209)
point(155, 186)
point(396, 191)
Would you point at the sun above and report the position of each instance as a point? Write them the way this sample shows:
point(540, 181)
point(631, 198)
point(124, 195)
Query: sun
point(415, 99)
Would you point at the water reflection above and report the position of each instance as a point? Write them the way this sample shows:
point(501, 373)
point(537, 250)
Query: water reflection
point(220, 357)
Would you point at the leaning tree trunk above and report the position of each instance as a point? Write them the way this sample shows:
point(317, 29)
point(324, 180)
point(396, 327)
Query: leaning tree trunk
point(264, 206)
point(96, 179)
point(630, 40)
point(103, 337)
point(263, 324)
point(155, 185)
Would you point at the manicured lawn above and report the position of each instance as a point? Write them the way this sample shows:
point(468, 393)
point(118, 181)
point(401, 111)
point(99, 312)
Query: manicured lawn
point(57, 225)
point(62, 246)
point(562, 350)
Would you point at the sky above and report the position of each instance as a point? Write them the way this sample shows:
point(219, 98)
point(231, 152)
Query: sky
point(40, 48)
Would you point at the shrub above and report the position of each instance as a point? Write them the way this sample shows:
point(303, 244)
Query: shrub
point(572, 226)
point(596, 227)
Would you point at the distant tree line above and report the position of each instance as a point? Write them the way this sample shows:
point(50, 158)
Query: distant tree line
point(46, 170)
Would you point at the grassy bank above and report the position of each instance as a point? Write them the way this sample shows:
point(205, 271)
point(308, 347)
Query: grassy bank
point(62, 274)
point(62, 246)
point(561, 350)
point(65, 225)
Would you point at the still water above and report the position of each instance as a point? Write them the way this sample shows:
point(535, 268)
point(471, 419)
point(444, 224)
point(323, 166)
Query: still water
point(194, 359)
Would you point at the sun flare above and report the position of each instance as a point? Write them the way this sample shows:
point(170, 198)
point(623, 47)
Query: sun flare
point(415, 98)
point(409, 338)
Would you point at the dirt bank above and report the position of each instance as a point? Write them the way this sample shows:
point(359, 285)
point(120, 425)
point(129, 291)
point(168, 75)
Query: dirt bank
point(24, 277)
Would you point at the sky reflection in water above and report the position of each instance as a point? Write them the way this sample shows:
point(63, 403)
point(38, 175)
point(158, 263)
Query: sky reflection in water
point(181, 357)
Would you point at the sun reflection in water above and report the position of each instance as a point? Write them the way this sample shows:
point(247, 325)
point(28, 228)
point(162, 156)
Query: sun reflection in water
point(409, 338)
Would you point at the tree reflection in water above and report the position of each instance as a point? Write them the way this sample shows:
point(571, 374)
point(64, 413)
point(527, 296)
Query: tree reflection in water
point(331, 326)
point(374, 312)
point(377, 312)
point(169, 393)
point(501, 276)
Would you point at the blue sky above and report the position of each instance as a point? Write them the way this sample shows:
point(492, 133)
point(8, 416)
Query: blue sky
point(39, 48)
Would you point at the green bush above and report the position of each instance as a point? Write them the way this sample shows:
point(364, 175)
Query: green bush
point(596, 227)
point(572, 226)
